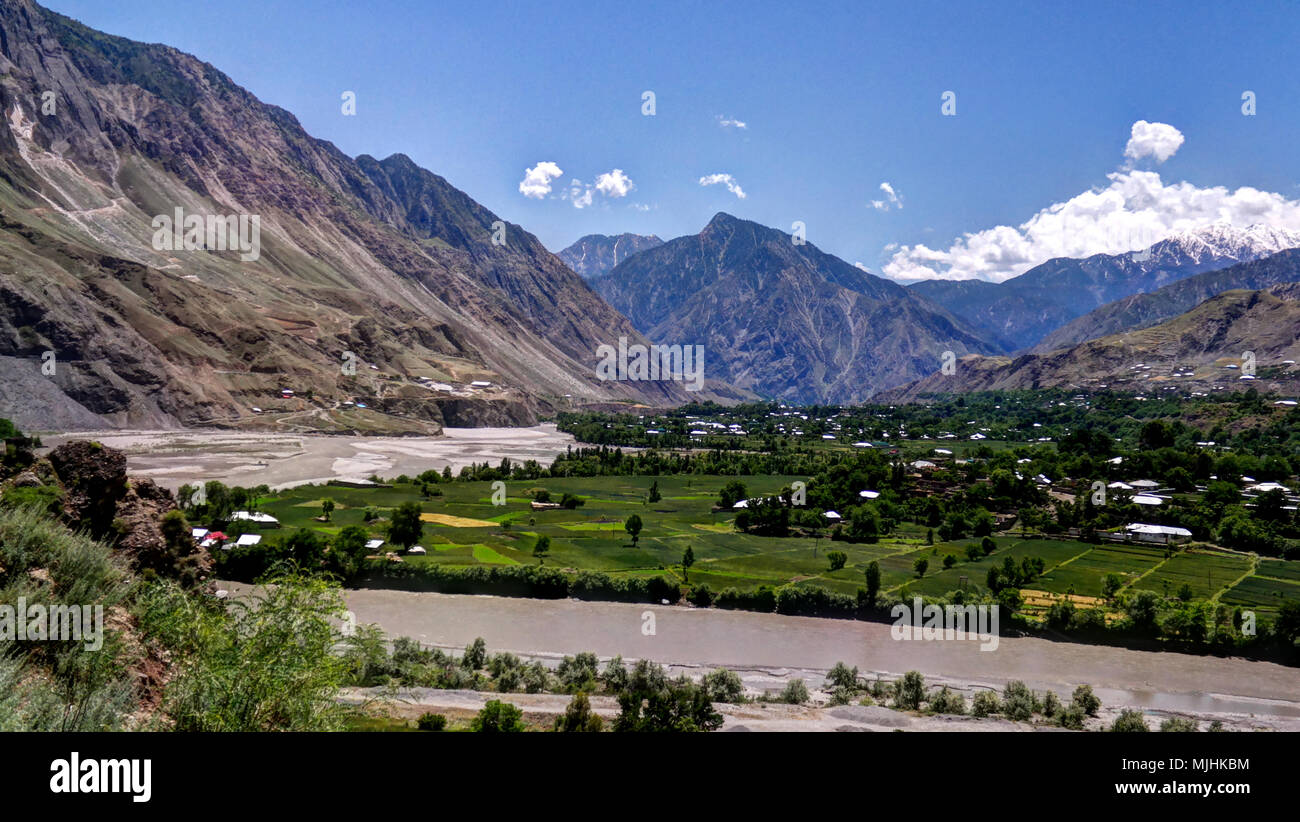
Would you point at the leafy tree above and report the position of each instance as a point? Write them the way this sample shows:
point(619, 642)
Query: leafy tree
point(475, 655)
point(542, 547)
point(731, 493)
point(348, 553)
point(688, 559)
point(909, 693)
point(837, 559)
point(654, 495)
point(498, 717)
point(873, 582)
point(920, 565)
point(578, 717)
point(1129, 721)
point(795, 692)
point(431, 722)
point(1085, 700)
point(842, 676)
point(633, 528)
point(406, 527)
point(327, 508)
point(722, 685)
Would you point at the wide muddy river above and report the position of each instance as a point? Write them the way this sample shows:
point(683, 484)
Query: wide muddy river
point(176, 458)
point(777, 645)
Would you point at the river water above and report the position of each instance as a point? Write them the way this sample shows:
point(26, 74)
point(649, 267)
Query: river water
point(778, 646)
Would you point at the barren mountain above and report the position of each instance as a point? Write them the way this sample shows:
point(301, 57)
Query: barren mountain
point(380, 265)
point(595, 254)
point(784, 320)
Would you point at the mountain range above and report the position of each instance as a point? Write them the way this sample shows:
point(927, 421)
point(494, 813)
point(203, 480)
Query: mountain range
point(781, 318)
point(1232, 339)
point(595, 254)
point(377, 263)
point(1020, 312)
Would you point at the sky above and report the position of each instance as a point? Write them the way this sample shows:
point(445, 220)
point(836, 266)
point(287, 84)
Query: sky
point(1074, 130)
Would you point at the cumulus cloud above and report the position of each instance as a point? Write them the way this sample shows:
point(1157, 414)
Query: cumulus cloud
point(731, 122)
point(614, 183)
point(1157, 140)
point(892, 200)
point(537, 180)
point(724, 179)
point(1133, 211)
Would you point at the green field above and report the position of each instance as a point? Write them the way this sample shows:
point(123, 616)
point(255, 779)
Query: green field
point(592, 538)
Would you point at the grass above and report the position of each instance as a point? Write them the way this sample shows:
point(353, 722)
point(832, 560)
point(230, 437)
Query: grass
point(462, 527)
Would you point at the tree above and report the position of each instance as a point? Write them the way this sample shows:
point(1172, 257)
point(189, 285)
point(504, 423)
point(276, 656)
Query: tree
point(348, 553)
point(327, 508)
point(578, 717)
point(498, 717)
point(406, 527)
point(688, 559)
point(475, 655)
point(949, 560)
point(873, 582)
point(731, 493)
point(1110, 585)
point(910, 691)
point(542, 547)
point(722, 685)
point(654, 496)
point(838, 559)
point(920, 565)
point(1129, 721)
point(633, 527)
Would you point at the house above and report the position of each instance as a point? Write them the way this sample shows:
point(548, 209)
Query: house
point(198, 533)
point(1161, 534)
point(260, 518)
point(248, 539)
point(543, 506)
point(869, 494)
point(832, 515)
point(374, 544)
point(1147, 499)
point(416, 549)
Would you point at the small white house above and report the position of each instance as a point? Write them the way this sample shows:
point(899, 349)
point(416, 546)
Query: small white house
point(832, 515)
point(255, 516)
point(248, 539)
point(374, 544)
point(1163, 534)
point(417, 549)
point(1147, 499)
point(869, 494)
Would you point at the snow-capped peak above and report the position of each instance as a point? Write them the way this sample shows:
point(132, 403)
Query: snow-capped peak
point(1222, 241)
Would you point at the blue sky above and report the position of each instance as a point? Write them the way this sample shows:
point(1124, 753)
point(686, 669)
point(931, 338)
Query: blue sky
point(836, 99)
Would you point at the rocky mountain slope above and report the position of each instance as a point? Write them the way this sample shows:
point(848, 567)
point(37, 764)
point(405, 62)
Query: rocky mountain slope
point(1024, 310)
point(783, 320)
point(379, 264)
point(1143, 310)
point(1209, 348)
point(595, 254)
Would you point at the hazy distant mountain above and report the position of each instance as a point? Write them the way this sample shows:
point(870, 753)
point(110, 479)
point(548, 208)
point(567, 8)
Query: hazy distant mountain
point(379, 259)
point(784, 320)
point(1022, 311)
point(1143, 310)
point(1203, 349)
point(595, 254)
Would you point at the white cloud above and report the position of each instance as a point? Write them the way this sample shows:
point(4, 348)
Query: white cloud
point(725, 179)
point(614, 183)
point(1158, 140)
point(537, 180)
point(892, 200)
point(731, 122)
point(1133, 211)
